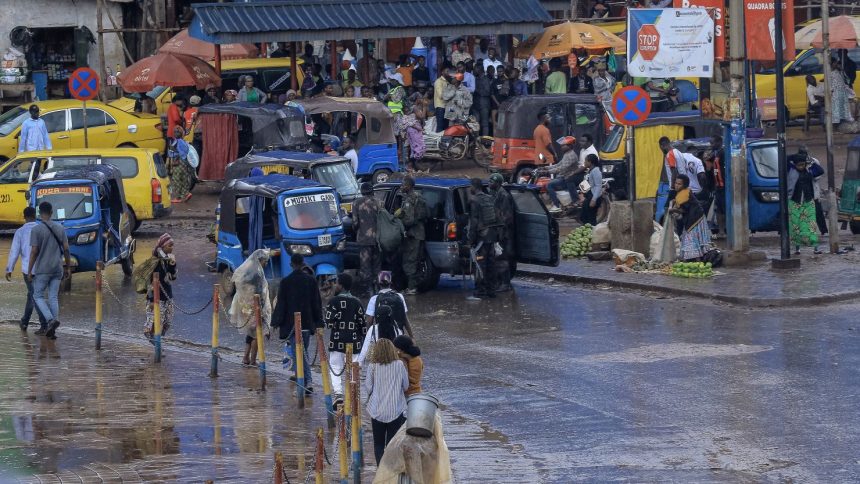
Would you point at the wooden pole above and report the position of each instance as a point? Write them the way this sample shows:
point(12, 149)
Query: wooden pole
point(294, 68)
point(99, 268)
point(121, 37)
point(218, 59)
point(319, 457)
point(261, 346)
point(326, 380)
point(213, 367)
point(156, 316)
point(101, 40)
point(300, 360)
point(334, 65)
point(832, 213)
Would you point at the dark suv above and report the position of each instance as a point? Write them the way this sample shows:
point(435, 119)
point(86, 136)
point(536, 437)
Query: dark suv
point(446, 247)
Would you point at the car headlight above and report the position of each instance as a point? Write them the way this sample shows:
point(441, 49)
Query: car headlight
point(607, 168)
point(341, 245)
point(85, 238)
point(770, 196)
point(301, 249)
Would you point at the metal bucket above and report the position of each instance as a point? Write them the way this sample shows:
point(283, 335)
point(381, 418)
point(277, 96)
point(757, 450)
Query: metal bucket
point(421, 415)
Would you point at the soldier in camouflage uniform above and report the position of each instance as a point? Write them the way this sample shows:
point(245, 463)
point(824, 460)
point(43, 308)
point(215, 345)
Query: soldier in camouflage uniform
point(413, 213)
point(505, 212)
point(364, 212)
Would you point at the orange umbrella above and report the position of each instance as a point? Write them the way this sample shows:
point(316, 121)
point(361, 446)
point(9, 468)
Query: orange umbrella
point(557, 40)
point(182, 43)
point(844, 32)
point(167, 70)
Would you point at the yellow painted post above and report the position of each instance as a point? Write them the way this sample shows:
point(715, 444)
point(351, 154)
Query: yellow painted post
point(347, 393)
point(261, 347)
point(326, 380)
point(341, 446)
point(213, 367)
point(318, 465)
point(300, 360)
point(355, 431)
point(156, 316)
point(99, 268)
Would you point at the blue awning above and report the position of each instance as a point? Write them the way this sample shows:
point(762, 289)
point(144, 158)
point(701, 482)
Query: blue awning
point(289, 21)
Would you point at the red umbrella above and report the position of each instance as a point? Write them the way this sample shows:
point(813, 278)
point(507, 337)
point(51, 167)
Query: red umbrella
point(167, 69)
point(844, 33)
point(182, 43)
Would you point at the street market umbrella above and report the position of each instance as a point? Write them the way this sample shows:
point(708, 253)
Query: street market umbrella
point(557, 40)
point(182, 43)
point(843, 34)
point(166, 69)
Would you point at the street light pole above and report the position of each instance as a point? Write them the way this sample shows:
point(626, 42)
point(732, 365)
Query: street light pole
point(832, 212)
point(738, 229)
point(784, 245)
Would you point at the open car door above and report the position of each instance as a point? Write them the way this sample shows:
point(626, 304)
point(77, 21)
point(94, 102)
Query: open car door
point(535, 231)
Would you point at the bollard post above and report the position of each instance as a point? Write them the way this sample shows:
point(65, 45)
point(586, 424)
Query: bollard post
point(279, 468)
point(326, 380)
point(347, 391)
point(356, 425)
point(341, 446)
point(261, 347)
point(99, 268)
point(213, 367)
point(357, 397)
point(318, 465)
point(300, 360)
point(156, 316)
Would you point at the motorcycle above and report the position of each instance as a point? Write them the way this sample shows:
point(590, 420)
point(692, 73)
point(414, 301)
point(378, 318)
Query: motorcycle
point(540, 178)
point(460, 140)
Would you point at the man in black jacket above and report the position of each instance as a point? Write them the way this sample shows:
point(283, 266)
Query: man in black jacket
point(298, 293)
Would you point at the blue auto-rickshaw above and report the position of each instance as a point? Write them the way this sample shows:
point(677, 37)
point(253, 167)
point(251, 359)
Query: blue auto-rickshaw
point(286, 214)
point(90, 203)
point(368, 122)
point(763, 176)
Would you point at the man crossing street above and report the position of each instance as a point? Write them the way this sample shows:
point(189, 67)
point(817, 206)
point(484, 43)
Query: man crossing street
point(21, 248)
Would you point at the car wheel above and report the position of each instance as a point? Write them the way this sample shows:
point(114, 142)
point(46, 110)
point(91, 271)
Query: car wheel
point(855, 228)
point(428, 275)
point(133, 222)
point(380, 176)
point(227, 286)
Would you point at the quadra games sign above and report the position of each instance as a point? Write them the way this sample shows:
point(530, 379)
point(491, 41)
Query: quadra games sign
point(670, 42)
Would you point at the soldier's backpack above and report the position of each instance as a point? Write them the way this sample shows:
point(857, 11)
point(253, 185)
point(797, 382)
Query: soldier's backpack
point(389, 231)
point(487, 215)
point(142, 275)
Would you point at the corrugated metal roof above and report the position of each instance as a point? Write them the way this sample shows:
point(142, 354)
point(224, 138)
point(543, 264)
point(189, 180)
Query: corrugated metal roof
point(359, 19)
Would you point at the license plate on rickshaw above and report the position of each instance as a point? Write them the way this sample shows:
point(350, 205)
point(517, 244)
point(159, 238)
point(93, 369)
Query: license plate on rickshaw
point(324, 240)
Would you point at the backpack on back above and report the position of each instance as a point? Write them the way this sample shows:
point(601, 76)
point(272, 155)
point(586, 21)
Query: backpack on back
point(389, 305)
point(389, 231)
point(142, 275)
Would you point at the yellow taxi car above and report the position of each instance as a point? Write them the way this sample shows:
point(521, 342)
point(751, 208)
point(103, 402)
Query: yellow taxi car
point(107, 127)
point(144, 179)
point(806, 63)
point(270, 75)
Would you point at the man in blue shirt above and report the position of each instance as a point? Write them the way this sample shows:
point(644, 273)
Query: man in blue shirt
point(21, 249)
point(34, 133)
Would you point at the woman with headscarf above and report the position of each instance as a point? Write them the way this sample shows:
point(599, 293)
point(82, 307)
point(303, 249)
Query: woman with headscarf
point(167, 273)
point(250, 279)
point(230, 96)
point(802, 193)
point(409, 127)
point(690, 222)
point(842, 94)
point(182, 174)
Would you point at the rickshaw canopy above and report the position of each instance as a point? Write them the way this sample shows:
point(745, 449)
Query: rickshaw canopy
point(518, 115)
point(272, 124)
point(379, 119)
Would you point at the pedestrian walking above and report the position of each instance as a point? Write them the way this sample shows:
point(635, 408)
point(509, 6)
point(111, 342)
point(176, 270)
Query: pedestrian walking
point(413, 213)
point(386, 316)
point(364, 213)
point(182, 174)
point(483, 235)
point(385, 385)
point(691, 225)
point(715, 160)
point(802, 192)
point(591, 198)
point(298, 293)
point(49, 264)
point(21, 249)
point(410, 355)
point(842, 94)
point(34, 133)
point(250, 280)
point(344, 315)
point(504, 204)
point(167, 273)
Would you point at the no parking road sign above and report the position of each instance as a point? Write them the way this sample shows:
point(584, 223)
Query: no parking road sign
point(84, 84)
point(631, 105)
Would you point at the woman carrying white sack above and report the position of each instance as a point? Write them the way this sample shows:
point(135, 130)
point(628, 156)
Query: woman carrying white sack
point(250, 279)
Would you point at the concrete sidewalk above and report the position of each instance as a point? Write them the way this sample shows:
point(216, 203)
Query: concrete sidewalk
point(821, 279)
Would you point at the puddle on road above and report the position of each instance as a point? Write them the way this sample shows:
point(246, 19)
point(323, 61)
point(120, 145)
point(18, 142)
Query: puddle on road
point(671, 351)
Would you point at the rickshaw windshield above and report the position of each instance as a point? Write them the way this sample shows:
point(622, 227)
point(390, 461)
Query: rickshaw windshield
point(69, 202)
point(613, 140)
point(313, 211)
point(765, 161)
point(338, 176)
point(852, 166)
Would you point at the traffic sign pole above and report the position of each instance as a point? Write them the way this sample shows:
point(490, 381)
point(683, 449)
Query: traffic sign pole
point(84, 86)
point(86, 135)
point(631, 106)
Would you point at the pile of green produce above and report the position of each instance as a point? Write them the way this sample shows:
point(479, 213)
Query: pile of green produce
point(649, 266)
point(577, 243)
point(694, 270)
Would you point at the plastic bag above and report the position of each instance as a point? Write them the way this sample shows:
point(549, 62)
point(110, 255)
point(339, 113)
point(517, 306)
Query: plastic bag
point(250, 279)
point(424, 460)
point(664, 248)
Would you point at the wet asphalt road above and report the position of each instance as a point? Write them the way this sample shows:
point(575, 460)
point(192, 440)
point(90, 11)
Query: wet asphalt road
point(595, 385)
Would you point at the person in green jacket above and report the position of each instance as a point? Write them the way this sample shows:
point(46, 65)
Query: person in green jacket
point(413, 213)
